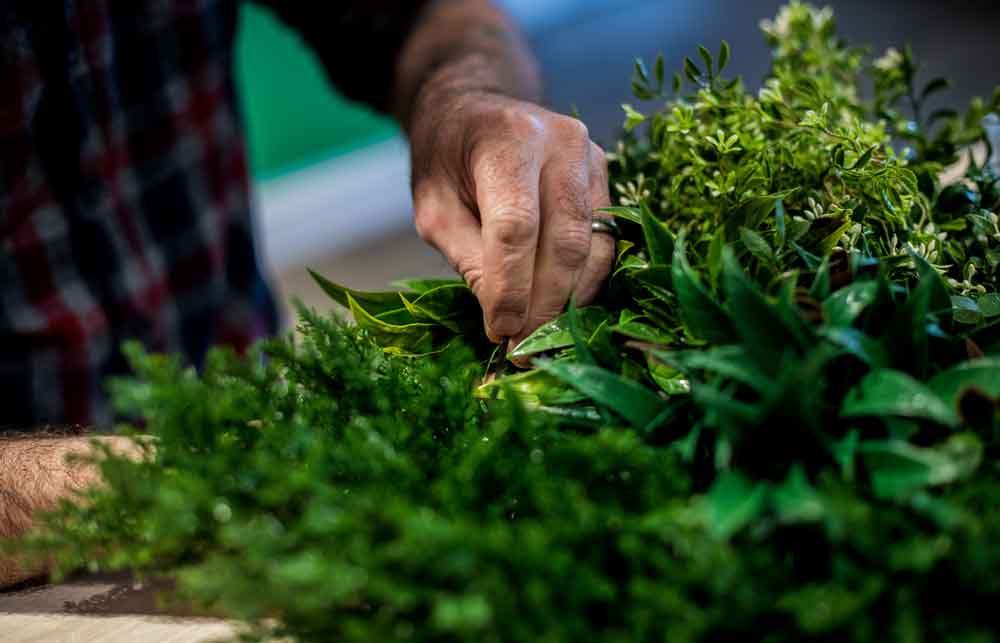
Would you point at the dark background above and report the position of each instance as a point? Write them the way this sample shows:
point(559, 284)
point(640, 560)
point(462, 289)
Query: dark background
point(586, 51)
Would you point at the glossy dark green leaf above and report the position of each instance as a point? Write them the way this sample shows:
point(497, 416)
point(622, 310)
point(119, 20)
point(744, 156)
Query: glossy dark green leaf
point(845, 305)
point(374, 303)
point(408, 339)
point(556, 333)
point(820, 287)
point(857, 343)
point(730, 362)
point(989, 305)
point(795, 500)
point(981, 374)
point(573, 325)
point(898, 468)
point(829, 242)
point(768, 331)
point(629, 214)
point(659, 241)
point(670, 380)
point(702, 314)
point(965, 310)
point(532, 387)
point(756, 244)
point(734, 502)
point(423, 285)
point(629, 400)
point(659, 71)
point(887, 392)
point(643, 332)
point(937, 296)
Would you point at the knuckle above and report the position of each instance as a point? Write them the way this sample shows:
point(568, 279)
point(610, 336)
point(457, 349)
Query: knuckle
point(428, 222)
point(573, 128)
point(520, 122)
point(514, 225)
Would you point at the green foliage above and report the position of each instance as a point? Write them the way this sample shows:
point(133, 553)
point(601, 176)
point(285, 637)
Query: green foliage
point(779, 422)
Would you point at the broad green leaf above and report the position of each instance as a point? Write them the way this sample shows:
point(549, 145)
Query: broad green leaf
point(659, 241)
point(532, 387)
point(629, 214)
point(670, 380)
point(938, 299)
point(410, 339)
point(981, 374)
point(820, 288)
point(450, 301)
point(643, 332)
point(726, 361)
point(898, 468)
point(556, 333)
point(423, 285)
point(768, 330)
point(826, 246)
point(857, 343)
point(734, 502)
point(756, 244)
point(583, 354)
point(630, 400)
point(796, 500)
point(886, 392)
point(845, 305)
point(989, 305)
point(703, 316)
point(373, 303)
point(965, 310)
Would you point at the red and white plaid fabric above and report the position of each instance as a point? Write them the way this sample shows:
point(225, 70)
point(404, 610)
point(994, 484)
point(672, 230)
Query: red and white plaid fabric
point(124, 209)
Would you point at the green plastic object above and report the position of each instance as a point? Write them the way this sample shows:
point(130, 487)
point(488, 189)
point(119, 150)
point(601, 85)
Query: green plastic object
point(293, 116)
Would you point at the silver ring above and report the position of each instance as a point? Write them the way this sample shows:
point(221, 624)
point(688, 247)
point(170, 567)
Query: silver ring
point(600, 225)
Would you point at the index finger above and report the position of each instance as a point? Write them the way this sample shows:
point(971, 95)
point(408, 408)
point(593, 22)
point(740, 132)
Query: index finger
point(507, 195)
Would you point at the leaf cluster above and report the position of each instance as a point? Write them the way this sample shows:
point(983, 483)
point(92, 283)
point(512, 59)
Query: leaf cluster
point(780, 421)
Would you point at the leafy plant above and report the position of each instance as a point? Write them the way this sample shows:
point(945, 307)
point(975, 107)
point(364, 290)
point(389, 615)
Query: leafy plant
point(779, 422)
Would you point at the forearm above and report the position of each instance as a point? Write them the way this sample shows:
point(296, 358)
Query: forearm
point(35, 474)
point(460, 47)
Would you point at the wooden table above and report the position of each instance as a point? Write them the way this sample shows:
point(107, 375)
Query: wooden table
point(100, 609)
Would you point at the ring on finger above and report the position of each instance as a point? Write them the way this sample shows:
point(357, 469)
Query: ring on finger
point(601, 225)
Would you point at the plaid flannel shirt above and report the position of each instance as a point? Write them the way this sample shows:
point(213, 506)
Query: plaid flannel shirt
point(124, 207)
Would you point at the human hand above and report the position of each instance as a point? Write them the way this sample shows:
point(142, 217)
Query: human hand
point(506, 190)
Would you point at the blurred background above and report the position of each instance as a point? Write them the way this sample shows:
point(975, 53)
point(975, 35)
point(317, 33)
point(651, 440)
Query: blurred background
point(332, 186)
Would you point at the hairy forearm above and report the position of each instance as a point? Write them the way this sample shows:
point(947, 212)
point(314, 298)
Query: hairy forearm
point(458, 47)
point(35, 474)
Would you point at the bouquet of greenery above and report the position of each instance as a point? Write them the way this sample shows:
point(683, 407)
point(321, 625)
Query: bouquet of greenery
point(779, 422)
